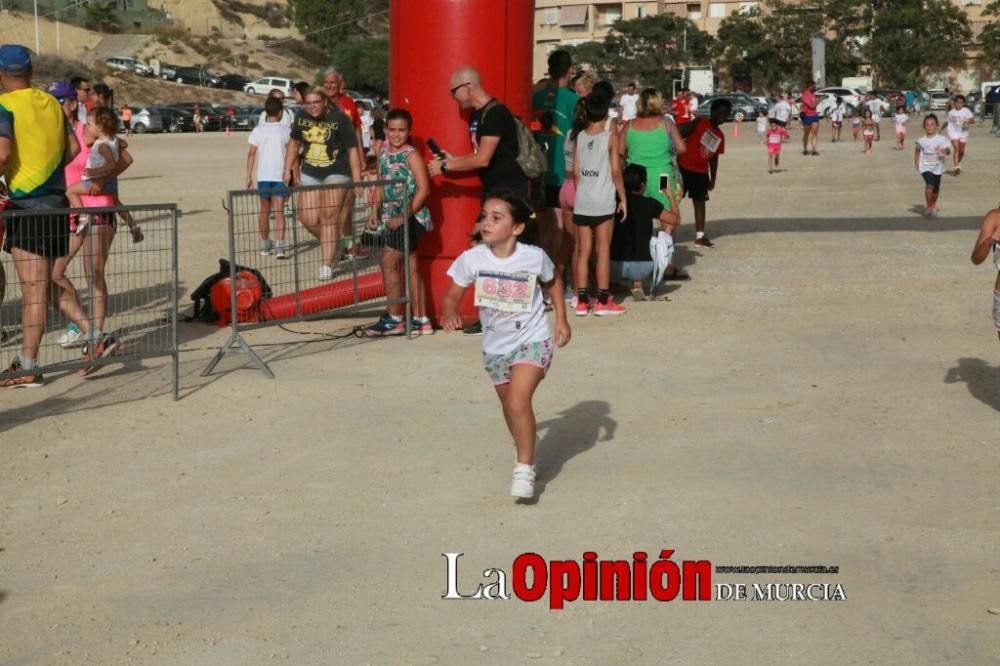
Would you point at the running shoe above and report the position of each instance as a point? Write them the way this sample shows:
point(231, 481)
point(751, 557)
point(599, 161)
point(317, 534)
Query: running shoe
point(418, 327)
point(638, 294)
point(386, 325)
point(265, 248)
point(473, 329)
point(958, 169)
point(582, 308)
point(72, 337)
point(326, 273)
point(703, 242)
point(932, 211)
point(136, 232)
point(523, 483)
point(107, 346)
point(279, 250)
point(34, 380)
point(608, 309)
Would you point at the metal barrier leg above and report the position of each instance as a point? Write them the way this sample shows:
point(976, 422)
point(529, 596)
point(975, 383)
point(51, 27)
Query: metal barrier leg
point(237, 343)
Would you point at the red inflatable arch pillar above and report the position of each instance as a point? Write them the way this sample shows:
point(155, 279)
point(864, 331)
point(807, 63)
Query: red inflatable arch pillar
point(429, 39)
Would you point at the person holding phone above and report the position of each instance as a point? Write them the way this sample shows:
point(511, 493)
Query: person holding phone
point(651, 141)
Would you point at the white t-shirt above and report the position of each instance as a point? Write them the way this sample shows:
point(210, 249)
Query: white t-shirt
point(875, 106)
point(507, 282)
point(629, 106)
point(287, 117)
point(271, 140)
point(957, 119)
point(900, 120)
point(837, 113)
point(932, 153)
point(782, 111)
point(761, 124)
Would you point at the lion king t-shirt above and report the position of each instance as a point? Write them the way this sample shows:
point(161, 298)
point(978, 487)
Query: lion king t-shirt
point(326, 142)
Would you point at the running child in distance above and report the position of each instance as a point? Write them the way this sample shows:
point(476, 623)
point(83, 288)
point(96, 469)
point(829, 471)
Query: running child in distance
point(928, 159)
point(508, 274)
point(762, 123)
point(776, 135)
point(868, 130)
point(837, 118)
point(989, 239)
point(899, 120)
point(856, 125)
point(270, 140)
point(959, 120)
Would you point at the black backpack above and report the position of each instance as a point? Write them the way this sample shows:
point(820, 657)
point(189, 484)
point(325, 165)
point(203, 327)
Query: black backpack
point(203, 310)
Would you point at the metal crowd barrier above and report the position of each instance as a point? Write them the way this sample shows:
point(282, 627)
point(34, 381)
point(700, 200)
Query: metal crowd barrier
point(119, 277)
point(316, 256)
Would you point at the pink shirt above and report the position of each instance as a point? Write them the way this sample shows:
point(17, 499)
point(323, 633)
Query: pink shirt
point(809, 103)
point(775, 136)
point(74, 172)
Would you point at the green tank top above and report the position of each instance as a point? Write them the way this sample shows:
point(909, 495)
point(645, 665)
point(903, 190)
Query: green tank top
point(651, 149)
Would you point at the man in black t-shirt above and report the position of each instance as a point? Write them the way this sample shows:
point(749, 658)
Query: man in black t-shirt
point(493, 134)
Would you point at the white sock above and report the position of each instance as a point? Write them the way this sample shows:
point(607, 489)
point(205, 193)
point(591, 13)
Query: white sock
point(96, 334)
point(423, 320)
point(27, 363)
point(524, 466)
point(395, 318)
point(699, 234)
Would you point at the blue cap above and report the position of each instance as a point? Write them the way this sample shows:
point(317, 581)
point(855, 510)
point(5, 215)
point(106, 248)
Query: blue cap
point(14, 59)
point(61, 90)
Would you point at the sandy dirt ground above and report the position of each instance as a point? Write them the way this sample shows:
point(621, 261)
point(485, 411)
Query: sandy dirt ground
point(825, 391)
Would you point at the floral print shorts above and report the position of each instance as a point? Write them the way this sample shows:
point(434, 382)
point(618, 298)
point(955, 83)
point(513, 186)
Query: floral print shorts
point(532, 353)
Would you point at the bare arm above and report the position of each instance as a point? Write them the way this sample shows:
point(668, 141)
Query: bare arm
point(450, 321)
point(5, 148)
point(680, 146)
point(291, 157)
point(989, 234)
point(422, 180)
point(72, 148)
point(713, 168)
point(555, 289)
point(616, 171)
point(472, 161)
point(251, 158)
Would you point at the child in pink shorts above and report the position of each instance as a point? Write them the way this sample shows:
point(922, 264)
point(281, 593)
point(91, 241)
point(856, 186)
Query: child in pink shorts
point(776, 135)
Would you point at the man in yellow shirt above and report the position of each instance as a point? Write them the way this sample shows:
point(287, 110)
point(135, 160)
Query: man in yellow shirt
point(33, 152)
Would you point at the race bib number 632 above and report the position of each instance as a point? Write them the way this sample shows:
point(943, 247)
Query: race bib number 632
point(507, 292)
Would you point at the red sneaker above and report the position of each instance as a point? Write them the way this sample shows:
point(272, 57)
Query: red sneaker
point(608, 309)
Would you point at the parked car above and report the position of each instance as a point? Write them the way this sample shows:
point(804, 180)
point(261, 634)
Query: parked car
point(938, 101)
point(742, 104)
point(126, 64)
point(174, 119)
point(990, 100)
point(267, 84)
point(143, 120)
point(246, 116)
point(232, 82)
point(852, 96)
point(168, 71)
point(195, 76)
point(210, 119)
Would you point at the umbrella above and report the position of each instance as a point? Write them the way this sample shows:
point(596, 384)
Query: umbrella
point(661, 249)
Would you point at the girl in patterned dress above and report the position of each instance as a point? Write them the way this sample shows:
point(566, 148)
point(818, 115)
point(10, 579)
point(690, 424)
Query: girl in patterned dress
point(403, 211)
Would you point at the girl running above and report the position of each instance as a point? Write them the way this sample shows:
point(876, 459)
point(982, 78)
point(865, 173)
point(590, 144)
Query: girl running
point(509, 274)
point(928, 158)
point(855, 125)
point(989, 239)
point(837, 118)
point(776, 135)
point(598, 175)
point(868, 129)
point(959, 119)
point(900, 121)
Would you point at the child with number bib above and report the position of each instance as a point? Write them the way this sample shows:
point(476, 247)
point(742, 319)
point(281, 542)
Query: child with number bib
point(509, 274)
point(928, 158)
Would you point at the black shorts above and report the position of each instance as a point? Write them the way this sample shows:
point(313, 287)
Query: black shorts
point(591, 220)
point(41, 234)
point(552, 195)
point(394, 238)
point(695, 185)
point(127, 124)
point(933, 180)
point(780, 123)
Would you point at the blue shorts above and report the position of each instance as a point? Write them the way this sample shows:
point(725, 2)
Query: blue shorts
point(808, 120)
point(271, 188)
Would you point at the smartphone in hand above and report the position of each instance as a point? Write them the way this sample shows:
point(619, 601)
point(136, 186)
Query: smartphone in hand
point(664, 182)
point(435, 149)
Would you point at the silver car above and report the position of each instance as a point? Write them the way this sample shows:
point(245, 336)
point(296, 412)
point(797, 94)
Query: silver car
point(938, 101)
point(144, 120)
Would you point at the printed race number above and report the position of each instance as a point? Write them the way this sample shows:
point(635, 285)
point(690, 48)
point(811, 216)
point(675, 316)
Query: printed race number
point(507, 292)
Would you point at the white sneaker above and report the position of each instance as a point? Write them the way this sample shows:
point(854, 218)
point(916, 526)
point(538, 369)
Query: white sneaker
point(72, 337)
point(326, 273)
point(523, 484)
point(279, 250)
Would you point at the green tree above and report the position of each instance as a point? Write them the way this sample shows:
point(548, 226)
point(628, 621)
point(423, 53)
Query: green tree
point(912, 38)
point(989, 40)
point(101, 17)
point(330, 23)
point(650, 50)
point(364, 63)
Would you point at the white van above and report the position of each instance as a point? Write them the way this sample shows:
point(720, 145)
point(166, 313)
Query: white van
point(265, 85)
